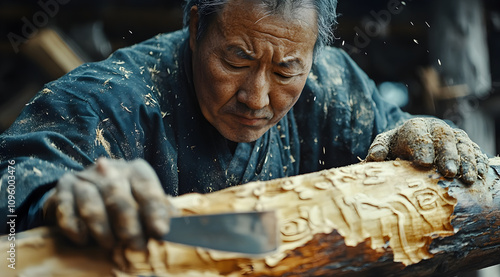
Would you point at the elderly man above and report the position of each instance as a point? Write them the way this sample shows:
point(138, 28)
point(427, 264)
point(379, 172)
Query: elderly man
point(247, 91)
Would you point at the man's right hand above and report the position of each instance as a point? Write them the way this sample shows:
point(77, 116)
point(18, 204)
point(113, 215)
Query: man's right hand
point(113, 201)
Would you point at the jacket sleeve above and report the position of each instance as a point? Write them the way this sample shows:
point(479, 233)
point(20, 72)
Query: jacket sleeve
point(97, 110)
point(110, 108)
point(54, 134)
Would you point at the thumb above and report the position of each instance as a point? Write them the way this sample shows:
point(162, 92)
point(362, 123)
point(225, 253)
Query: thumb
point(380, 147)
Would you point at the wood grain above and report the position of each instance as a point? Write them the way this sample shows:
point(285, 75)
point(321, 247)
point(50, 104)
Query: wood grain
point(369, 219)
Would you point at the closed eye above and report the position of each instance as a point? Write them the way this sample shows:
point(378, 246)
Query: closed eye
point(283, 76)
point(234, 66)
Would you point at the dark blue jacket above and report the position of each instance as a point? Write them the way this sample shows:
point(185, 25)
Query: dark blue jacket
point(140, 103)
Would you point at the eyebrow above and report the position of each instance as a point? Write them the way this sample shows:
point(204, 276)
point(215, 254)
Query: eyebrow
point(291, 62)
point(238, 51)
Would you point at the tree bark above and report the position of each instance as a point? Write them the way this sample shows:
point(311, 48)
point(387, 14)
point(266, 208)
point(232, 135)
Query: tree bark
point(369, 219)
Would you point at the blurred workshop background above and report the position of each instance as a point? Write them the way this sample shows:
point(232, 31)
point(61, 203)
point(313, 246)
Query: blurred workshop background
point(430, 57)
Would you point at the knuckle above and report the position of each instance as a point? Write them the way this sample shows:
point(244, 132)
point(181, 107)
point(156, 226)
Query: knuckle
point(382, 136)
point(85, 190)
point(141, 169)
point(417, 121)
point(115, 185)
point(414, 120)
point(461, 136)
point(119, 203)
point(93, 211)
point(66, 181)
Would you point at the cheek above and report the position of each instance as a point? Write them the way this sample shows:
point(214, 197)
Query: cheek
point(284, 100)
point(223, 85)
point(215, 86)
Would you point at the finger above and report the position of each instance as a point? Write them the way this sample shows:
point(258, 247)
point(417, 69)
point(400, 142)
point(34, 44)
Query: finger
point(468, 166)
point(413, 142)
point(121, 207)
point(66, 216)
point(482, 161)
point(123, 212)
point(148, 192)
point(380, 147)
point(91, 208)
point(447, 158)
point(102, 169)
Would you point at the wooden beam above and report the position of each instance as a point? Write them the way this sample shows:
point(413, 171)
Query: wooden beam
point(369, 219)
point(52, 53)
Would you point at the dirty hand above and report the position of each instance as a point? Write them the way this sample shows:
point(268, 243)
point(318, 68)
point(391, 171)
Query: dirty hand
point(113, 201)
point(429, 141)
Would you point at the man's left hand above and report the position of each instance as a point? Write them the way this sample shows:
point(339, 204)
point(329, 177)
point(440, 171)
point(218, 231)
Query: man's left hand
point(430, 141)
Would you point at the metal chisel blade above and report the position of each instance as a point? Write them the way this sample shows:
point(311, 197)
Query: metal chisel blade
point(253, 233)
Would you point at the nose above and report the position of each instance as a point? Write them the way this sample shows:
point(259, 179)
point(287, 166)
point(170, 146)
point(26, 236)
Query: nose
point(255, 91)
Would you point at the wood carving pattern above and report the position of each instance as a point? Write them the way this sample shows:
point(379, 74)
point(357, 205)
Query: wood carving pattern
point(357, 201)
point(373, 205)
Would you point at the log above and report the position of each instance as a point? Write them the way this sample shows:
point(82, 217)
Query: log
point(368, 219)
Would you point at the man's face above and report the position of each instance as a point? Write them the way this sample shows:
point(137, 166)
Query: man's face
point(249, 69)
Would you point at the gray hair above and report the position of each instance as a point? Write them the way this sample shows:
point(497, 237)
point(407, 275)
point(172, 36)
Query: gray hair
point(326, 11)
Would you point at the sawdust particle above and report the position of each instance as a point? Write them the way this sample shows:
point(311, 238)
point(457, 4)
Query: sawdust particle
point(125, 72)
point(149, 100)
point(125, 108)
point(37, 171)
point(100, 140)
point(107, 82)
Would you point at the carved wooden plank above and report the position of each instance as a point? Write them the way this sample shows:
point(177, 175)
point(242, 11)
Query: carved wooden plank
point(374, 219)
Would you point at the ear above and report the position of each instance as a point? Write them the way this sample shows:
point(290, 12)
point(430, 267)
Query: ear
point(194, 20)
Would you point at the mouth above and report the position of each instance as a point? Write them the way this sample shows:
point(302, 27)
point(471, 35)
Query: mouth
point(250, 121)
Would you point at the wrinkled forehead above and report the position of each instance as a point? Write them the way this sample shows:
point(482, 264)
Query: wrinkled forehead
point(297, 17)
point(288, 9)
